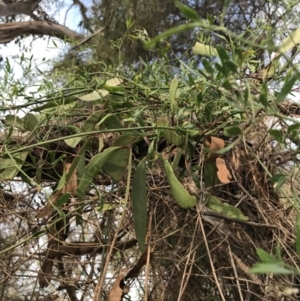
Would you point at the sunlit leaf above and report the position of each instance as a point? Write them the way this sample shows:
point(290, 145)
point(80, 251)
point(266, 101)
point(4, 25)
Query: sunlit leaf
point(11, 166)
point(173, 89)
point(202, 49)
point(91, 96)
point(291, 41)
point(225, 209)
point(180, 194)
point(265, 257)
point(139, 203)
point(265, 268)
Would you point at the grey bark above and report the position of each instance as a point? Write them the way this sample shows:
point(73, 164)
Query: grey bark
point(17, 8)
point(10, 31)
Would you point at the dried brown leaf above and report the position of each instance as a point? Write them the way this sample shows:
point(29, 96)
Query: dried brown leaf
point(223, 173)
point(71, 185)
point(213, 144)
point(116, 291)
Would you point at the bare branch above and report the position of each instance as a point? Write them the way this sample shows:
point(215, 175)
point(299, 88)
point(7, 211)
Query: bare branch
point(11, 9)
point(10, 31)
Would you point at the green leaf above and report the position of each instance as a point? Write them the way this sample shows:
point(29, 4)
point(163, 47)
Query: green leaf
point(265, 257)
point(277, 252)
point(208, 67)
point(230, 65)
point(115, 166)
point(286, 89)
point(90, 122)
point(92, 169)
point(223, 55)
point(210, 175)
point(279, 179)
point(187, 11)
point(30, 122)
point(173, 137)
point(181, 196)
point(265, 268)
point(127, 140)
point(173, 89)
point(11, 166)
point(298, 236)
point(72, 142)
point(277, 134)
point(263, 97)
point(111, 121)
point(14, 121)
point(139, 203)
point(225, 209)
point(62, 200)
point(93, 96)
point(233, 131)
point(293, 127)
point(202, 49)
point(291, 41)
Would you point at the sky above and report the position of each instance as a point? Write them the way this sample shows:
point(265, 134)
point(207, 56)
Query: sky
point(42, 49)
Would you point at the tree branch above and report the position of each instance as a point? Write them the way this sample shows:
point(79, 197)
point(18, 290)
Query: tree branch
point(17, 8)
point(10, 31)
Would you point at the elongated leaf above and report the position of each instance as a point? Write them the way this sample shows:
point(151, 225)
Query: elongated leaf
point(173, 90)
point(187, 11)
point(115, 166)
point(92, 169)
point(263, 97)
point(291, 41)
point(265, 268)
point(225, 209)
point(91, 96)
point(127, 139)
point(265, 257)
point(286, 89)
point(63, 199)
point(233, 131)
point(139, 204)
point(223, 55)
point(181, 196)
point(202, 49)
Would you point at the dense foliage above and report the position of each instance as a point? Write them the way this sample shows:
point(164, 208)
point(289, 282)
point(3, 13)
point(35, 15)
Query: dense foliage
point(169, 179)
